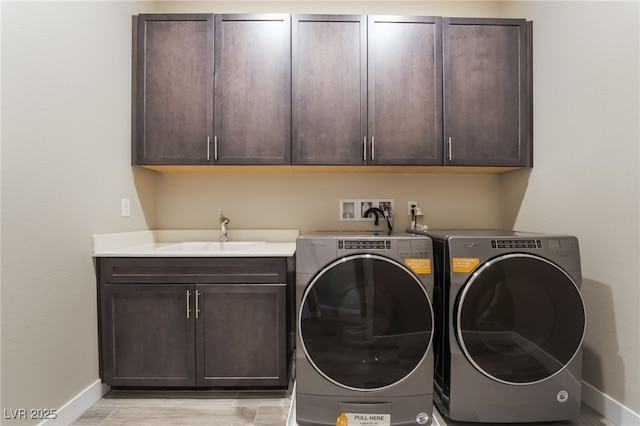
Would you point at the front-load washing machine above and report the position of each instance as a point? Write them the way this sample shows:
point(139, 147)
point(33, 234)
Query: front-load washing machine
point(364, 329)
point(510, 322)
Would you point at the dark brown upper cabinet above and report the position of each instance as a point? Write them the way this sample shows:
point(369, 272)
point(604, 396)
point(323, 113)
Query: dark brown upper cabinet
point(173, 65)
point(367, 90)
point(405, 90)
point(196, 108)
point(487, 92)
point(329, 82)
point(252, 89)
point(276, 89)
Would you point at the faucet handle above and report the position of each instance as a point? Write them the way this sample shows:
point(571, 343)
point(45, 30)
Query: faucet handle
point(223, 218)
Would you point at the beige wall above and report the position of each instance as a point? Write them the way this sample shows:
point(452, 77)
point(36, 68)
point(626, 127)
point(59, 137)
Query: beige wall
point(65, 167)
point(310, 201)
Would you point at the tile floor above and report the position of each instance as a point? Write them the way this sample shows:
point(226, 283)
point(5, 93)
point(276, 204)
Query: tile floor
point(269, 408)
point(214, 408)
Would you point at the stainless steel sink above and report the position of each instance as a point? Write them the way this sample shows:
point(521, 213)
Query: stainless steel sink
point(210, 247)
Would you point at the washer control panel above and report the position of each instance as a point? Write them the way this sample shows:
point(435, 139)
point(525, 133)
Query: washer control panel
point(364, 244)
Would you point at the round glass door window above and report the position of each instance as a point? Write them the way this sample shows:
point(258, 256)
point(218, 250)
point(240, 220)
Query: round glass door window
point(365, 322)
point(520, 319)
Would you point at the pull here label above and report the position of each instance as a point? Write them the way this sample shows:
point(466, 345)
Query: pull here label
point(357, 419)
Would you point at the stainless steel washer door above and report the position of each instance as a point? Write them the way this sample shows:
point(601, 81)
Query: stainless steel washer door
point(520, 319)
point(365, 322)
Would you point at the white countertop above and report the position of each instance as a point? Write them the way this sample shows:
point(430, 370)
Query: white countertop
point(278, 243)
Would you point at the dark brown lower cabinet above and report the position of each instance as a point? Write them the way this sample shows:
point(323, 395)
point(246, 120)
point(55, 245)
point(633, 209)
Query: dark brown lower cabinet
point(238, 331)
point(187, 322)
point(147, 339)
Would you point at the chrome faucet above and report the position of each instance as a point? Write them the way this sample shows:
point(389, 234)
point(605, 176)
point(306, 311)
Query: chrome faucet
point(223, 226)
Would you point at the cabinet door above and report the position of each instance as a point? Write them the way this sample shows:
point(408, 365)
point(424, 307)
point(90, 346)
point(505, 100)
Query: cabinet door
point(329, 89)
point(487, 95)
point(252, 89)
point(405, 90)
point(174, 89)
point(148, 335)
point(241, 335)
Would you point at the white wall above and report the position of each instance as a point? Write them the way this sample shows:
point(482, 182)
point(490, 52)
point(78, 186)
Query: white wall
point(65, 167)
point(585, 179)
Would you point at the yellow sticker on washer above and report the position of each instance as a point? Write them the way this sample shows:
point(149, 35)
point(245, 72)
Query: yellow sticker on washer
point(419, 265)
point(464, 264)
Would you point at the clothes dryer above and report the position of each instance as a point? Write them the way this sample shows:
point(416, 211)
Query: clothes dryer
point(510, 322)
point(364, 329)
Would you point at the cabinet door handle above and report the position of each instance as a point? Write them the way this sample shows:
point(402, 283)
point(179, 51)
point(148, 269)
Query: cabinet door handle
point(449, 148)
point(364, 148)
point(215, 148)
point(197, 304)
point(208, 148)
point(188, 304)
point(373, 148)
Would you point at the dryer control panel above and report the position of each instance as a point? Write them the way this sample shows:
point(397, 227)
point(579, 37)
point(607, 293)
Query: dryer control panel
point(519, 243)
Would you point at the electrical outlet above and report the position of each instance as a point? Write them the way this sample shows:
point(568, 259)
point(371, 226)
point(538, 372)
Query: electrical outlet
point(125, 207)
point(354, 209)
point(409, 204)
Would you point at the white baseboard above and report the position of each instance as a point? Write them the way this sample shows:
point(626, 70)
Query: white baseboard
point(609, 407)
point(291, 417)
point(73, 409)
